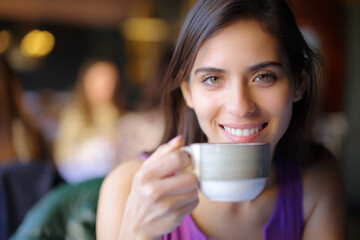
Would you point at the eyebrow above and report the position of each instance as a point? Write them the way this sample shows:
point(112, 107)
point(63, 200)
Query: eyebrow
point(249, 69)
point(209, 69)
point(264, 65)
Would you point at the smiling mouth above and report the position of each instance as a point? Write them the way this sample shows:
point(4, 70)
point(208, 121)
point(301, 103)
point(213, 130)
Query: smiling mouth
point(245, 131)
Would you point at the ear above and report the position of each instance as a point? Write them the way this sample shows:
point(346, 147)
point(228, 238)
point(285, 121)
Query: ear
point(185, 90)
point(300, 86)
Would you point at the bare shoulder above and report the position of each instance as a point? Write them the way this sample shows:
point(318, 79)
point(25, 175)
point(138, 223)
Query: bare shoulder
point(123, 174)
point(117, 185)
point(113, 197)
point(323, 162)
point(323, 196)
point(323, 174)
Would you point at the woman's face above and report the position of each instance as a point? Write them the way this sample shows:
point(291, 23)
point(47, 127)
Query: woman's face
point(100, 83)
point(241, 87)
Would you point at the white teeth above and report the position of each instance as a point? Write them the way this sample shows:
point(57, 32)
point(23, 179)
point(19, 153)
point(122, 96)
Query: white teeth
point(246, 132)
point(242, 132)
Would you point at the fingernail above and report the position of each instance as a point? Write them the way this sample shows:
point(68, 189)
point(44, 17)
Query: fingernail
point(175, 140)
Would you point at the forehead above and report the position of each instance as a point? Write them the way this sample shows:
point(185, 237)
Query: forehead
point(101, 69)
point(242, 43)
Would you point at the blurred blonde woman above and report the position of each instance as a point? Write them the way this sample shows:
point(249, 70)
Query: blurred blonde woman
point(20, 139)
point(85, 143)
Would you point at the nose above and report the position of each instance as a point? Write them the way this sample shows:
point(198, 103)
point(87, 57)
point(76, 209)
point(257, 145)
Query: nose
point(240, 101)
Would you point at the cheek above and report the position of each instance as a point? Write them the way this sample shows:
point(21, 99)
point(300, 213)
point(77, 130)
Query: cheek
point(280, 109)
point(284, 116)
point(279, 99)
point(277, 103)
point(206, 108)
point(201, 108)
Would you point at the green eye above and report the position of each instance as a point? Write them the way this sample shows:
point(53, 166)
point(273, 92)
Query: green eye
point(263, 77)
point(211, 80)
point(214, 80)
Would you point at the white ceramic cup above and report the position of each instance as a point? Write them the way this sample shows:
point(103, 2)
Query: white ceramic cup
point(230, 172)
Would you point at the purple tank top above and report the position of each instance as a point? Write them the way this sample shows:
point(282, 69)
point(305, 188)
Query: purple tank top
point(286, 221)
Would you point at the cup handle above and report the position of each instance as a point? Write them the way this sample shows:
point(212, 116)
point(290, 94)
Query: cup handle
point(189, 151)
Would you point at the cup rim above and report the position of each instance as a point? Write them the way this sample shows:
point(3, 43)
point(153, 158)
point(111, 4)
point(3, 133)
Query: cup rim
point(232, 143)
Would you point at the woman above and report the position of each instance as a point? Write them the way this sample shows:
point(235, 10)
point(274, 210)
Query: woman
point(236, 65)
point(26, 165)
point(85, 143)
point(20, 139)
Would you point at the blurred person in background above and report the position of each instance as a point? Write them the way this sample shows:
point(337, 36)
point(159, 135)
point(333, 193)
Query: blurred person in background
point(20, 139)
point(27, 172)
point(84, 146)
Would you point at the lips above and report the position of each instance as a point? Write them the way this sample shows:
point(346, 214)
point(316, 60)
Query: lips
point(244, 133)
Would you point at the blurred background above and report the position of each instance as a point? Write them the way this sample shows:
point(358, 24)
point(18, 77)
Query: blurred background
point(45, 42)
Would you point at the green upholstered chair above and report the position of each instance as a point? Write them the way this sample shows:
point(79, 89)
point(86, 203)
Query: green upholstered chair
point(66, 212)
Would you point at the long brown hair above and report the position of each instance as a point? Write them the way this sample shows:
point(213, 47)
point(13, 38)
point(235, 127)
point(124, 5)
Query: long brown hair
point(207, 17)
point(11, 110)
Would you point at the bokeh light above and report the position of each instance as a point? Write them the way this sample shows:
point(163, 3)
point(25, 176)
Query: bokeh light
point(145, 29)
point(37, 43)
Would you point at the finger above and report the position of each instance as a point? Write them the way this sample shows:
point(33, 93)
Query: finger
point(169, 220)
point(165, 165)
point(156, 190)
point(177, 202)
point(175, 163)
point(179, 184)
point(165, 149)
point(172, 204)
point(176, 215)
